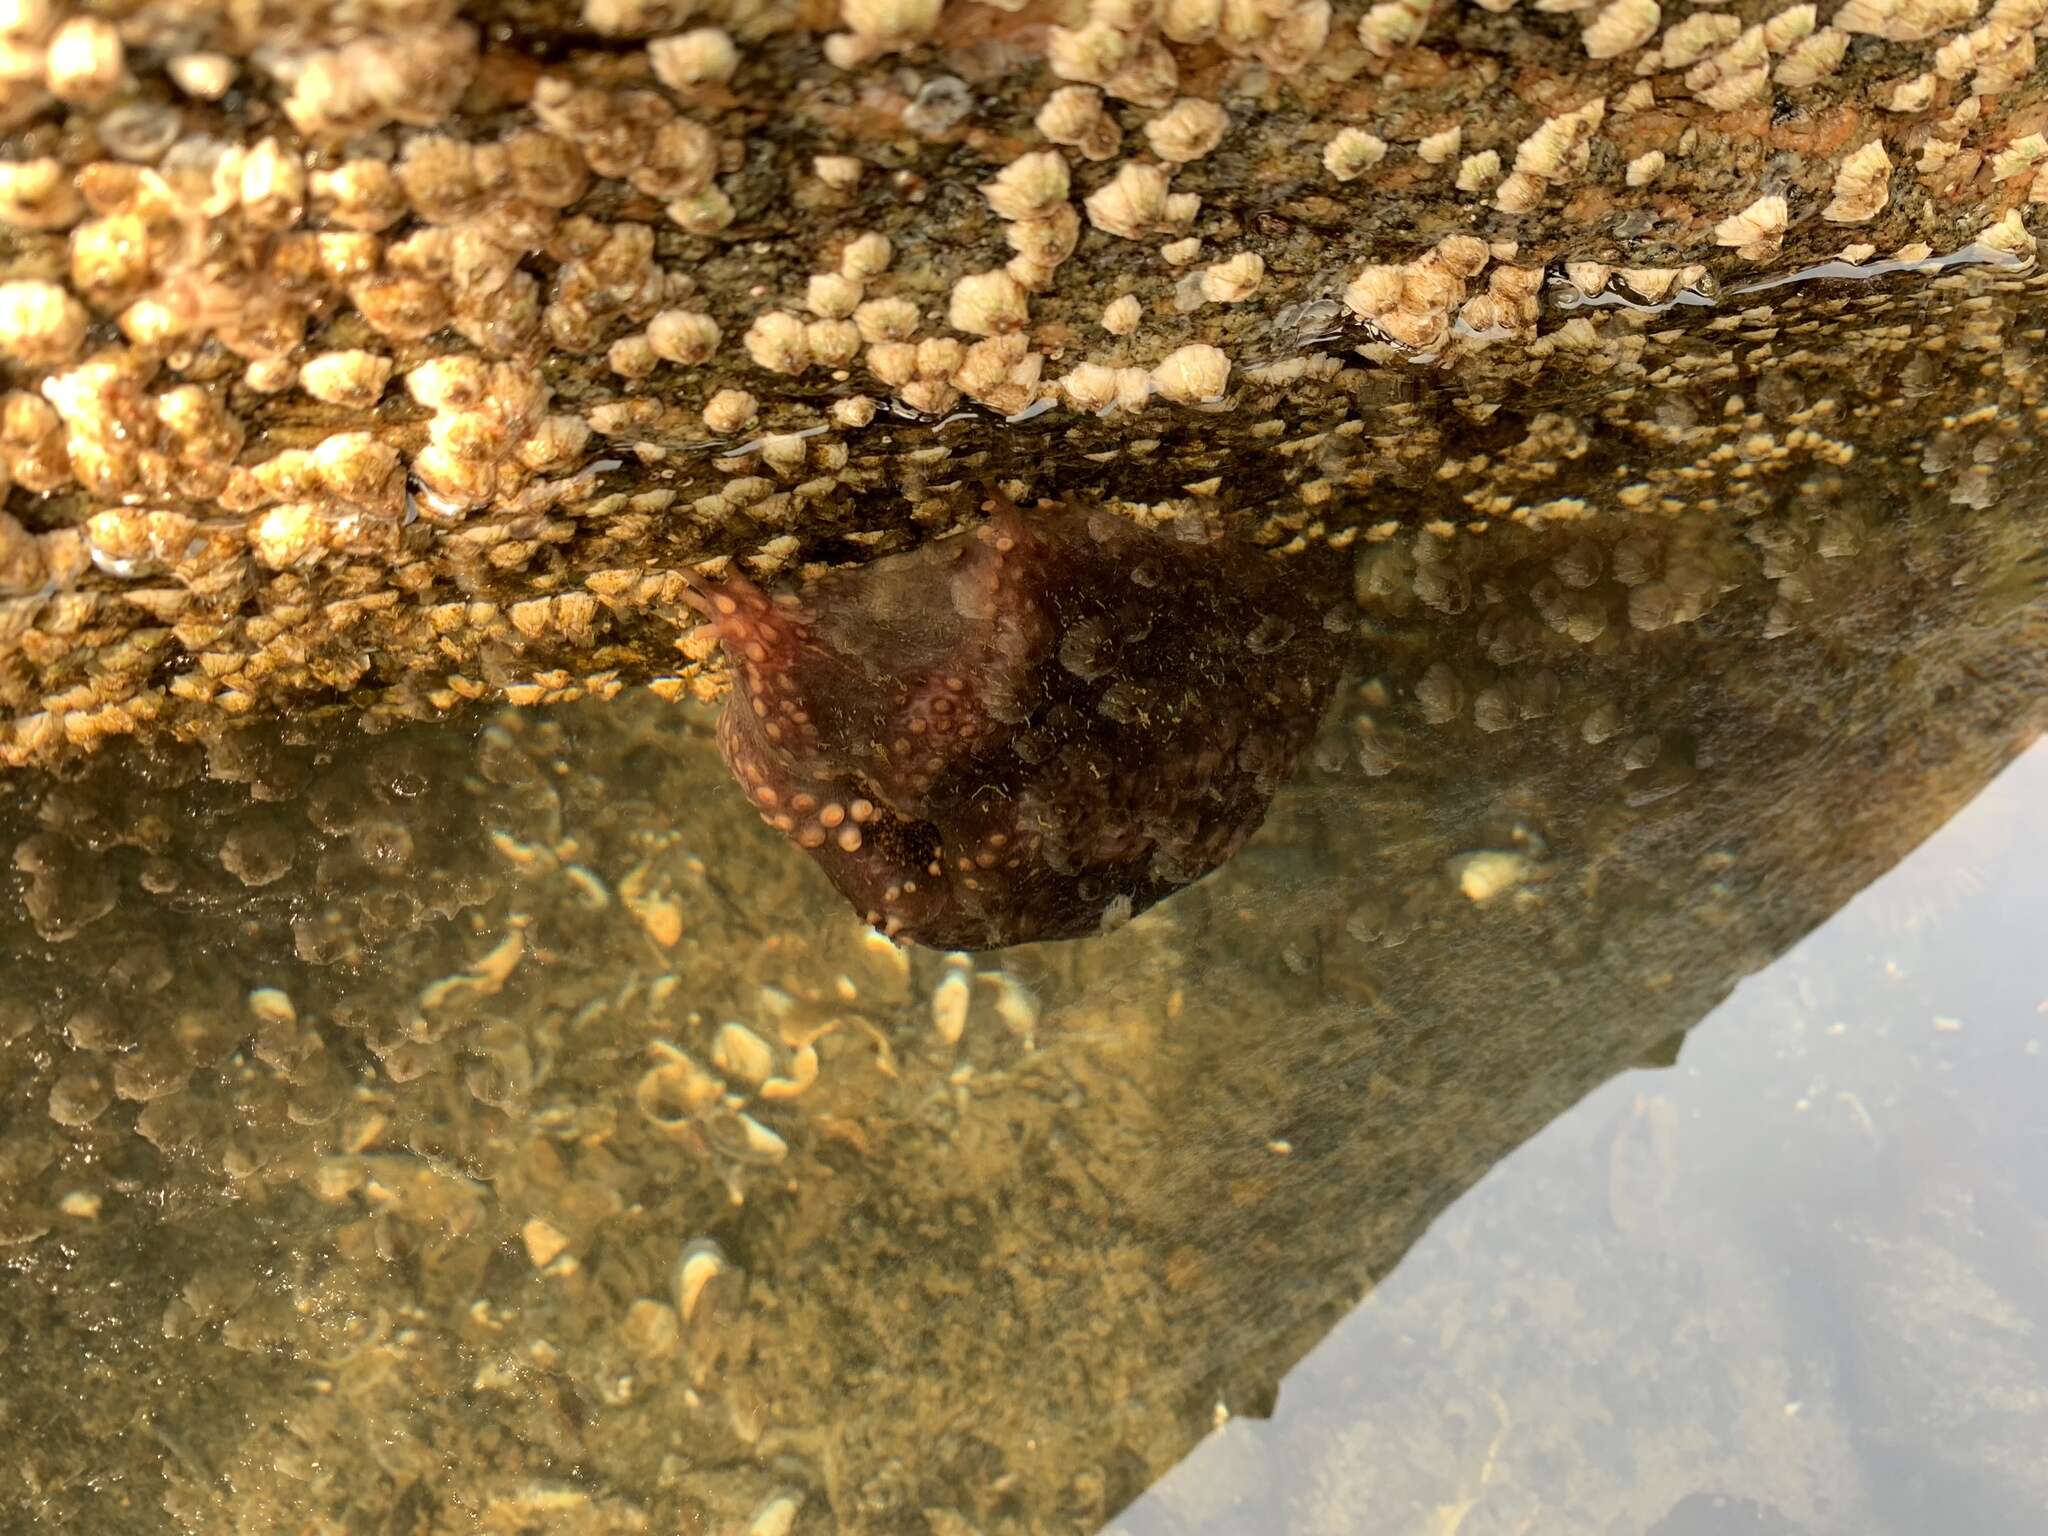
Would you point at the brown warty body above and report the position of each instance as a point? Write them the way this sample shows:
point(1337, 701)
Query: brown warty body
point(1030, 731)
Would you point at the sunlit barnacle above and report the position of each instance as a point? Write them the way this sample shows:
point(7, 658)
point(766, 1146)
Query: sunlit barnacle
point(84, 61)
point(1757, 230)
point(1621, 26)
point(1862, 186)
point(39, 194)
point(1029, 187)
point(40, 323)
point(1352, 153)
point(1073, 116)
point(776, 342)
point(1234, 280)
point(1192, 374)
point(1132, 204)
point(1187, 130)
point(701, 56)
point(984, 303)
point(353, 379)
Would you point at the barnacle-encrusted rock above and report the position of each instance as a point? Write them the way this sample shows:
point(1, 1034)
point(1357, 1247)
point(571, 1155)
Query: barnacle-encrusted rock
point(711, 292)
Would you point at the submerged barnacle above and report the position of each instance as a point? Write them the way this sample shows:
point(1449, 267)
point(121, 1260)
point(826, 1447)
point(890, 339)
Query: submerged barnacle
point(952, 998)
point(672, 1093)
point(701, 1268)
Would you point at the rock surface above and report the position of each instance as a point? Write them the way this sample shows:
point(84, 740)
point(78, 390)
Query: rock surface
point(390, 356)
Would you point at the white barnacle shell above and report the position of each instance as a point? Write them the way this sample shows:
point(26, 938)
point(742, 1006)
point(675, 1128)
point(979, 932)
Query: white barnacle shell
point(776, 342)
point(1687, 42)
point(693, 58)
point(83, 60)
point(866, 255)
point(1904, 21)
point(886, 320)
point(2008, 237)
point(1092, 53)
point(1621, 27)
point(1070, 114)
point(1392, 25)
point(1131, 204)
point(730, 410)
point(1757, 230)
point(1187, 130)
point(1558, 147)
point(1048, 241)
point(1190, 21)
point(1375, 290)
point(1352, 153)
point(1231, 281)
point(1120, 316)
point(890, 20)
point(683, 336)
point(1439, 147)
point(985, 303)
point(1477, 171)
point(1789, 26)
point(1461, 255)
point(1192, 374)
point(2019, 157)
point(831, 295)
point(1030, 186)
point(1862, 186)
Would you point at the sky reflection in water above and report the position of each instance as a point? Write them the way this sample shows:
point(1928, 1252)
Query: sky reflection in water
point(1790, 1285)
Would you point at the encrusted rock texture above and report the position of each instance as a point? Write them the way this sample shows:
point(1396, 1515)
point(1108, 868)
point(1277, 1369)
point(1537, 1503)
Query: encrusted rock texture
point(388, 355)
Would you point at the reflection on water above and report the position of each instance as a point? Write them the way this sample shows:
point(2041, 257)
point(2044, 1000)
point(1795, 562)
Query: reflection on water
point(491, 1126)
point(1791, 1284)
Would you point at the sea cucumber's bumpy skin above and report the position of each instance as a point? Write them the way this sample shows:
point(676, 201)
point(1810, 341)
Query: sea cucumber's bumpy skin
point(1031, 731)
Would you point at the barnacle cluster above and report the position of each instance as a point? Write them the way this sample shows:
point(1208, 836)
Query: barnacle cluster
point(364, 352)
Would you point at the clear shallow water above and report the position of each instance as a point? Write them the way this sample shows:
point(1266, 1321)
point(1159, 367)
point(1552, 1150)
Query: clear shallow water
point(1792, 1282)
point(489, 1126)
